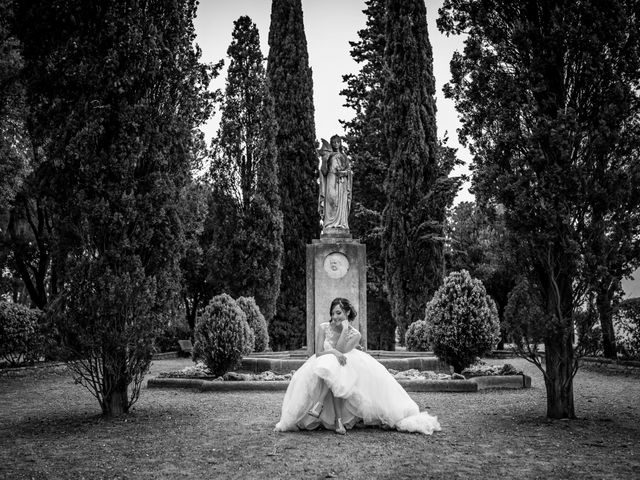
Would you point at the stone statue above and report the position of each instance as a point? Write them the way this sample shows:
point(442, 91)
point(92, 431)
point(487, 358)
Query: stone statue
point(336, 181)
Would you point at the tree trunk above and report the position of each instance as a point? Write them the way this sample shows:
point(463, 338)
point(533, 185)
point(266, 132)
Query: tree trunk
point(559, 376)
point(117, 403)
point(191, 309)
point(115, 386)
point(604, 301)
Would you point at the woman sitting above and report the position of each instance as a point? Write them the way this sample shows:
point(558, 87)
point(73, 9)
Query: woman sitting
point(341, 386)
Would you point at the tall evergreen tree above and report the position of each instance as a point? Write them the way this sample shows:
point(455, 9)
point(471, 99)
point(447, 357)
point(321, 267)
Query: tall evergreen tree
point(292, 87)
point(370, 163)
point(418, 190)
point(116, 92)
point(246, 158)
point(548, 93)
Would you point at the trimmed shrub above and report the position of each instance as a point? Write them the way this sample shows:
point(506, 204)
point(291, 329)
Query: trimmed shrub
point(256, 321)
point(417, 337)
point(463, 321)
point(222, 335)
point(21, 339)
point(626, 322)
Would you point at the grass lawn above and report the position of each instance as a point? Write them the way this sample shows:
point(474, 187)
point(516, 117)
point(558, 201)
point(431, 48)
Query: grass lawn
point(51, 428)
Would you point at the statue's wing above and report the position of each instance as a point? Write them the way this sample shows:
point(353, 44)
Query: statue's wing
point(325, 149)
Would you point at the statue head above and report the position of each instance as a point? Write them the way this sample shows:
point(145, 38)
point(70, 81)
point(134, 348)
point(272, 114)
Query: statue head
point(336, 143)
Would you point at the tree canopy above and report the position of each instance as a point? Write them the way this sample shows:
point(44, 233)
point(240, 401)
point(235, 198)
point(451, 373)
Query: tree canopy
point(548, 95)
point(115, 95)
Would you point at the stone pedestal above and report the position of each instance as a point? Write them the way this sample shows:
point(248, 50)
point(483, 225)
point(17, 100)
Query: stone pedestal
point(336, 267)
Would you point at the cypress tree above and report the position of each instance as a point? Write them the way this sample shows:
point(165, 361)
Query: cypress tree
point(292, 88)
point(246, 157)
point(417, 188)
point(370, 163)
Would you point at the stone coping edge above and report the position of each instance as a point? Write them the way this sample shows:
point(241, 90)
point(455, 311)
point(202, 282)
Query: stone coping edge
point(282, 366)
point(472, 385)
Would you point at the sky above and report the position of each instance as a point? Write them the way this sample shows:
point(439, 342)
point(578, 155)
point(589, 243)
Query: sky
point(329, 27)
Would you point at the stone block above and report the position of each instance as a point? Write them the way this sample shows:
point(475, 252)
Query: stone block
point(336, 267)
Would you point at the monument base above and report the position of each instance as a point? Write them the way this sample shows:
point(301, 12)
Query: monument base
point(336, 267)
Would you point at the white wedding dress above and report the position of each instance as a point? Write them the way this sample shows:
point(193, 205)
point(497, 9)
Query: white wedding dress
point(372, 396)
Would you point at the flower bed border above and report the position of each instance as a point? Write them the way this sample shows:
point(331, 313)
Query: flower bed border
point(472, 385)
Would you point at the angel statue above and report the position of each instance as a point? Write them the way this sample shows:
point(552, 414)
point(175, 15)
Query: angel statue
point(336, 181)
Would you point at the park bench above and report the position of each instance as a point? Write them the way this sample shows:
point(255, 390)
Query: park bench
point(186, 347)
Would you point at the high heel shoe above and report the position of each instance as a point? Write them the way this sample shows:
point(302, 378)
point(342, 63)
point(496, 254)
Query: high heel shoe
point(340, 430)
point(316, 410)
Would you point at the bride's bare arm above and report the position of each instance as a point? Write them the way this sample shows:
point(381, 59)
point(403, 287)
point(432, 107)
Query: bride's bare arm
point(319, 341)
point(352, 342)
point(348, 342)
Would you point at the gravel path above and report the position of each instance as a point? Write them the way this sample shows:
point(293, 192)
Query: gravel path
point(50, 428)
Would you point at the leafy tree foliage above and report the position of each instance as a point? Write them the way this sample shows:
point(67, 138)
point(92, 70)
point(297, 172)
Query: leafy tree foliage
point(25, 216)
point(292, 88)
point(115, 93)
point(245, 176)
point(418, 190)
point(548, 93)
point(627, 325)
point(13, 164)
point(478, 242)
point(196, 291)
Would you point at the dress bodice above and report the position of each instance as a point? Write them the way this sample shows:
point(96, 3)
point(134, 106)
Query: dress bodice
point(331, 337)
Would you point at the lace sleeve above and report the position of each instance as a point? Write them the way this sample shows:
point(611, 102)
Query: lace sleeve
point(352, 332)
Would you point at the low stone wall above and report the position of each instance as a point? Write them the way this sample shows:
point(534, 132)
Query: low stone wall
point(609, 365)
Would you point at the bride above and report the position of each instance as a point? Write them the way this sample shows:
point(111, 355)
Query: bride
point(341, 386)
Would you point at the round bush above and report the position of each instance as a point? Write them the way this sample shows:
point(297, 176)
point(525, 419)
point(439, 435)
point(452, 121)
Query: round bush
point(256, 322)
point(417, 337)
point(21, 339)
point(463, 321)
point(222, 335)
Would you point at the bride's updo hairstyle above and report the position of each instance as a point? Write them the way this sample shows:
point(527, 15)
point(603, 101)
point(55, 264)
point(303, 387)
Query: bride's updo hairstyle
point(346, 306)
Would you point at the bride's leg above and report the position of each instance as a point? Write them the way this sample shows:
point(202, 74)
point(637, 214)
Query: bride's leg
point(316, 410)
point(338, 407)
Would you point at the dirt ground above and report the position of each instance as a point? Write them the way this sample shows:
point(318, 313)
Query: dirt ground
point(51, 428)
